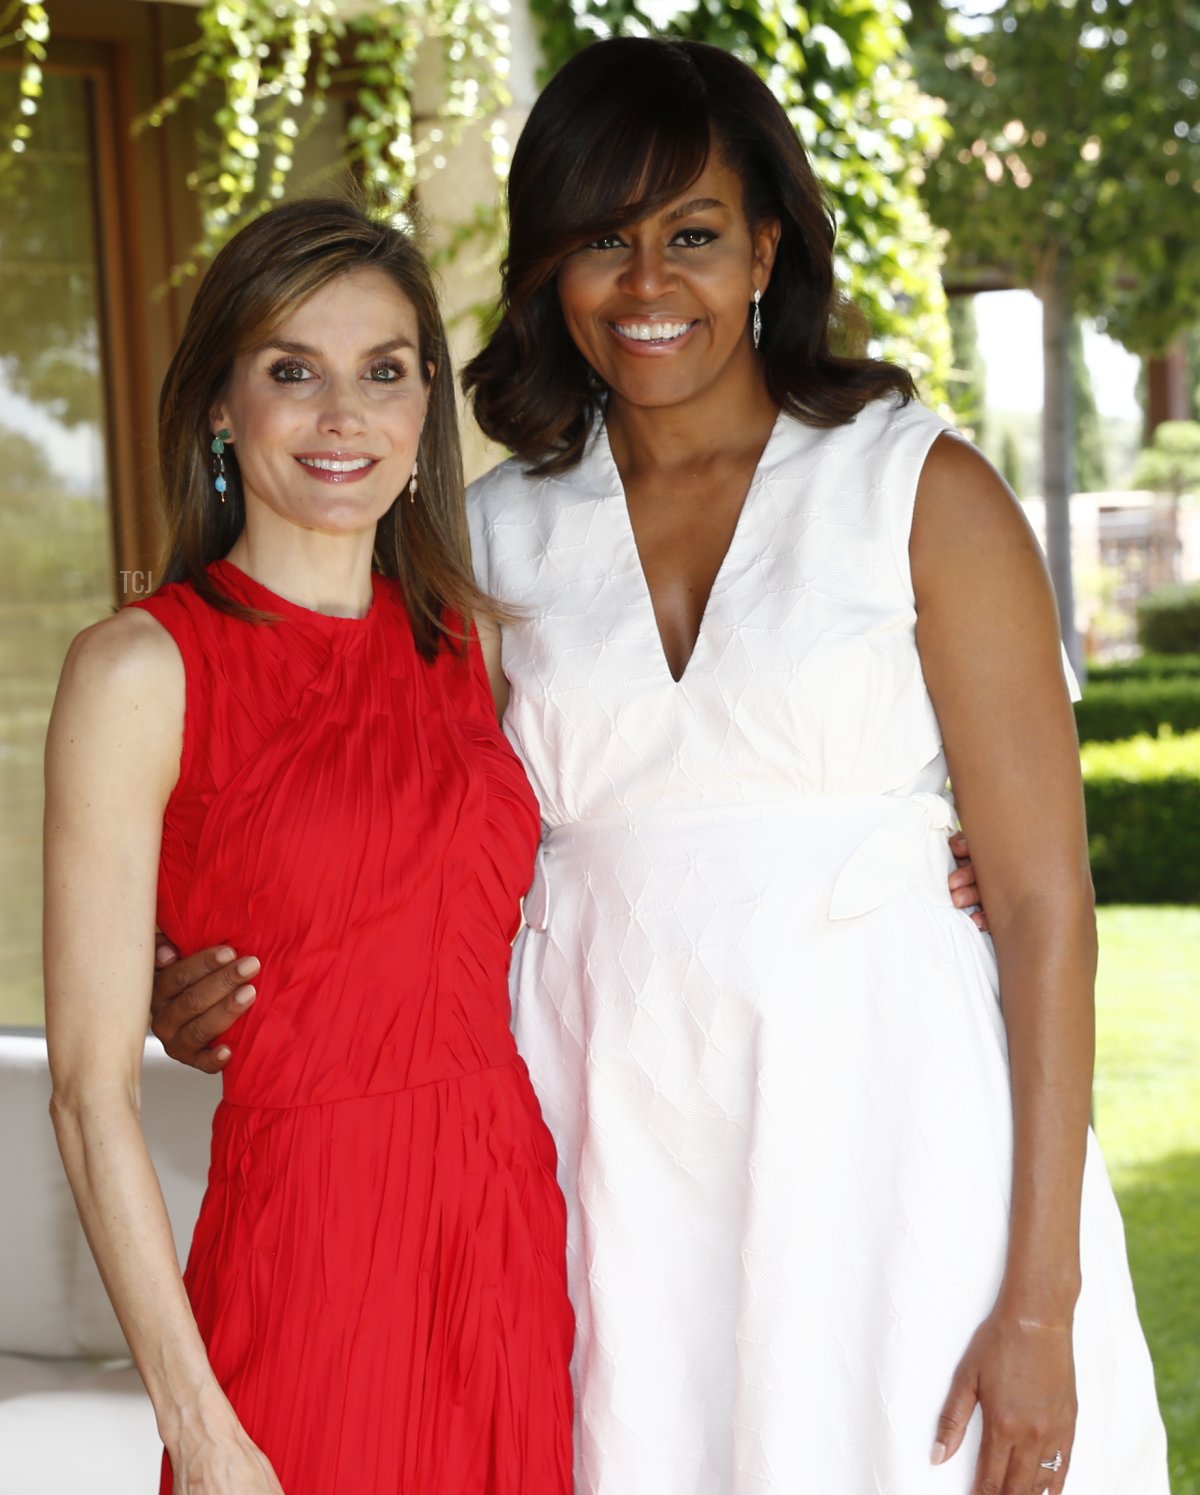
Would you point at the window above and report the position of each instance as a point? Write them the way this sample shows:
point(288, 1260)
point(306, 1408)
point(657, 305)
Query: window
point(56, 531)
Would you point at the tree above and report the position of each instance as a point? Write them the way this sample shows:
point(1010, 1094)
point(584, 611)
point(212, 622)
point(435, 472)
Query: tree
point(1071, 169)
point(1091, 466)
point(968, 377)
point(1171, 463)
point(1010, 461)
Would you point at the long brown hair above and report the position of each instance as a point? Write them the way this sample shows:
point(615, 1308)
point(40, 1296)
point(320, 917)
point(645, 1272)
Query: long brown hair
point(259, 277)
point(621, 130)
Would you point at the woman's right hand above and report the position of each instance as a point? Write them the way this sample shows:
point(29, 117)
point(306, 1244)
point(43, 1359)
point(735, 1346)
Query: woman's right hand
point(196, 998)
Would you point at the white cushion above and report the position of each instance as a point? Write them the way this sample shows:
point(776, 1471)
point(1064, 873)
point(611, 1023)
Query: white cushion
point(38, 1243)
point(93, 1436)
point(53, 1301)
point(20, 1374)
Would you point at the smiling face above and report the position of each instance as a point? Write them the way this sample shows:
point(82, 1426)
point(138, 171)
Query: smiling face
point(661, 309)
point(326, 415)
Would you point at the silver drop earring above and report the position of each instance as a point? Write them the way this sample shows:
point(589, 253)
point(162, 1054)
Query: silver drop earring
point(412, 484)
point(756, 324)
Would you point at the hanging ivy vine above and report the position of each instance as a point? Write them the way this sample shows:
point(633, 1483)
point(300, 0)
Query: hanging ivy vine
point(262, 73)
point(841, 69)
point(24, 24)
point(279, 62)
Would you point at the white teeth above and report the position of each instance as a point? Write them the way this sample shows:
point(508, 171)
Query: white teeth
point(652, 332)
point(332, 464)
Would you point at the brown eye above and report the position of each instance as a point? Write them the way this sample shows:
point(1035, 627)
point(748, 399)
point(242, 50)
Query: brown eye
point(695, 238)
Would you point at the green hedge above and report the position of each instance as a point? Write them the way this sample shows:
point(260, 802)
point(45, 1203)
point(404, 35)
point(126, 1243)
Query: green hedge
point(1143, 808)
point(1169, 620)
point(1145, 667)
point(1112, 710)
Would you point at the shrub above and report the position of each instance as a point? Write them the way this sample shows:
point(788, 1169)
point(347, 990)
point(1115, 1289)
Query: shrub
point(1169, 620)
point(1143, 809)
point(1112, 710)
point(1145, 667)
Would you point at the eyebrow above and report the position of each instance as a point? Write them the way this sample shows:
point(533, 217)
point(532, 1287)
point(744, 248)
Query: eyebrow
point(285, 345)
point(697, 205)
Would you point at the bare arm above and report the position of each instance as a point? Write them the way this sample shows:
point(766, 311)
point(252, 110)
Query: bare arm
point(988, 634)
point(490, 640)
point(112, 756)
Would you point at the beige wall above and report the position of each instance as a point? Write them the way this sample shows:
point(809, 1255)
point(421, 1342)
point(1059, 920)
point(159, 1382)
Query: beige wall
point(451, 192)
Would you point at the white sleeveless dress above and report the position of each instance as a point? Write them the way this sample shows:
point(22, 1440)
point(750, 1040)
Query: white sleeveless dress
point(768, 1046)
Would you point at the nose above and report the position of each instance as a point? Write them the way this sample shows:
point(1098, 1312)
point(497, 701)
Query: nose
point(646, 274)
point(342, 412)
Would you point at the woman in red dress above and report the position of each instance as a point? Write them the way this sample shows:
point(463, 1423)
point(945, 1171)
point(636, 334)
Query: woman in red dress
point(292, 745)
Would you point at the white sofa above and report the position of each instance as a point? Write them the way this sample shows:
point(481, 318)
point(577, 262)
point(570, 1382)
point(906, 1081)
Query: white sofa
point(74, 1418)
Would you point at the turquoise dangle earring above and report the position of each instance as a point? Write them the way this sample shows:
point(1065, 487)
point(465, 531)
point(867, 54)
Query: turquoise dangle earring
point(218, 448)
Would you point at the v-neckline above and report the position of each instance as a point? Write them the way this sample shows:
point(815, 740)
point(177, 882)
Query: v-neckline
point(604, 450)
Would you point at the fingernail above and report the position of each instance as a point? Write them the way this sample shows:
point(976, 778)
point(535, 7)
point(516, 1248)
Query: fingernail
point(939, 1454)
point(244, 996)
point(225, 955)
point(223, 1054)
point(248, 966)
point(163, 952)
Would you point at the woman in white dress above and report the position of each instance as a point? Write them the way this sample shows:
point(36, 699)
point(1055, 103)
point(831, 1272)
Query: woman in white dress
point(837, 1224)
point(826, 1154)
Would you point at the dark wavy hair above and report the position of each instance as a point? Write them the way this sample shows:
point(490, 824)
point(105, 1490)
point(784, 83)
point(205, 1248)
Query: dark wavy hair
point(265, 271)
point(622, 129)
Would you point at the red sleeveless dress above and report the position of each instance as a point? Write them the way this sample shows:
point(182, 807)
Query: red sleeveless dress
point(378, 1270)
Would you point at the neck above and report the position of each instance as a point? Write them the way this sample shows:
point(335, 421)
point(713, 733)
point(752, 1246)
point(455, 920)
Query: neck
point(727, 423)
point(325, 573)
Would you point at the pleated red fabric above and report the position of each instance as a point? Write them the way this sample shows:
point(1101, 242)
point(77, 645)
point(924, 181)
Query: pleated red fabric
point(379, 1266)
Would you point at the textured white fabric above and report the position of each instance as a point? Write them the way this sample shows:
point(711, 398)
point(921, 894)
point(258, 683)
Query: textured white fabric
point(768, 1046)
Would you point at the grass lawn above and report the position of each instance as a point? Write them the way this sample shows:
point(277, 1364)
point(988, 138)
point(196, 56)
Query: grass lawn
point(1148, 1120)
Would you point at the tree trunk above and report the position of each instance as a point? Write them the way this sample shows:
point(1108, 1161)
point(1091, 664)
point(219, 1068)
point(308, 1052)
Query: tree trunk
point(1167, 393)
point(1058, 420)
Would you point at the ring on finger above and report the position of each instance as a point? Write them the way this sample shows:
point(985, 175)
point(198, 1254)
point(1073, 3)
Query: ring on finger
point(1054, 1464)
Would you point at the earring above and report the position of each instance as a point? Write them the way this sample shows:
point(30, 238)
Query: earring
point(218, 449)
point(412, 484)
point(756, 324)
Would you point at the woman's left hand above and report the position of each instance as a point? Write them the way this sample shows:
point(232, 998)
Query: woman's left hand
point(1021, 1374)
point(963, 890)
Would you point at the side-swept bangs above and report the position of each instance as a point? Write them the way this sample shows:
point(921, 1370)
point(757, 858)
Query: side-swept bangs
point(620, 131)
point(595, 169)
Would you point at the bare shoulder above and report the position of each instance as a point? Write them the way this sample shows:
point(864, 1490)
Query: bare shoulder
point(967, 518)
point(131, 652)
point(490, 643)
point(985, 606)
point(123, 685)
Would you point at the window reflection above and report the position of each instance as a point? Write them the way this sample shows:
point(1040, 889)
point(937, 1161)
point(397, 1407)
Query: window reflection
point(55, 530)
